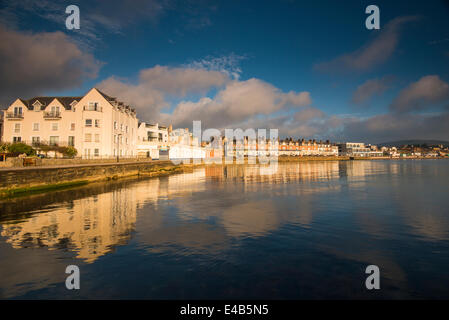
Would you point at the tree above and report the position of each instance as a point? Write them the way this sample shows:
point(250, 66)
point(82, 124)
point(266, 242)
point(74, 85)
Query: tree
point(68, 151)
point(20, 148)
point(4, 147)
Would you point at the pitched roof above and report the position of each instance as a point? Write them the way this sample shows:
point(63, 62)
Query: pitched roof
point(109, 98)
point(45, 101)
point(112, 99)
point(66, 101)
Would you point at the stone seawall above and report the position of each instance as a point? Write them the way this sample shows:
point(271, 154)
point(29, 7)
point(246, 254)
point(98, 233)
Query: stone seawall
point(35, 176)
point(17, 162)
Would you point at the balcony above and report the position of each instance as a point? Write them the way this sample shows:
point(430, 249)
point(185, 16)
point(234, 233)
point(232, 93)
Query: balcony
point(93, 108)
point(52, 115)
point(14, 116)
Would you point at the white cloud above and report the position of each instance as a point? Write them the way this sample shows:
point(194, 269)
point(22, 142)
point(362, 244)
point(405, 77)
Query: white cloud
point(155, 84)
point(424, 93)
point(235, 103)
point(229, 65)
point(238, 102)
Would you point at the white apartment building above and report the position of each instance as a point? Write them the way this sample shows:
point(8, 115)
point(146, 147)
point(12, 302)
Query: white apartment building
point(96, 124)
point(183, 145)
point(357, 149)
point(150, 139)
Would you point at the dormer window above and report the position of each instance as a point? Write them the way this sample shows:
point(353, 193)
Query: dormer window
point(37, 106)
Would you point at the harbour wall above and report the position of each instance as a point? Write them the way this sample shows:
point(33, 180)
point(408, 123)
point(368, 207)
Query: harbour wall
point(36, 176)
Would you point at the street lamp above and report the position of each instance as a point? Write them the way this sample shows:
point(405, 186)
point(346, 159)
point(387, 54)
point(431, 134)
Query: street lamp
point(118, 145)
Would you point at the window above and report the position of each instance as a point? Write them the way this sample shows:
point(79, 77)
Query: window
point(93, 106)
point(97, 123)
point(17, 110)
point(96, 152)
point(87, 152)
point(17, 127)
point(71, 141)
point(97, 137)
point(54, 140)
point(88, 122)
point(126, 140)
point(37, 106)
point(126, 129)
point(16, 139)
point(72, 126)
point(54, 126)
point(35, 126)
point(73, 104)
point(35, 141)
point(88, 137)
point(121, 127)
point(54, 110)
point(115, 125)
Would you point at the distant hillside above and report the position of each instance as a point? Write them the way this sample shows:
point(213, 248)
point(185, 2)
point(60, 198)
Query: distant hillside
point(414, 142)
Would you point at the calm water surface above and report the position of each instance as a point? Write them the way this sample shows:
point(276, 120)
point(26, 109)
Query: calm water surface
point(295, 231)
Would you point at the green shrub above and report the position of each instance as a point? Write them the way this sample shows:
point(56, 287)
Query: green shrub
point(21, 148)
point(69, 151)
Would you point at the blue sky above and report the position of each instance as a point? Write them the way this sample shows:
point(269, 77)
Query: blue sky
point(312, 66)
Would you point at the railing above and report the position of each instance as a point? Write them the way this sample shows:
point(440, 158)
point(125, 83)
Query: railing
point(156, 139)
point(113, 158)
point(14, 115)
point(94, 108)
point(52, 115)
point(39, 143)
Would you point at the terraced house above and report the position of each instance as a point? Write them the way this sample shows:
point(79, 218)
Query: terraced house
point(96, 124)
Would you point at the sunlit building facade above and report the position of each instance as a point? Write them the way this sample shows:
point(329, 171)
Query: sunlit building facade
point(96, 124)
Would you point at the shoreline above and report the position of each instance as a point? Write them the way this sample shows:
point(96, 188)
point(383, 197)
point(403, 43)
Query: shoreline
point(155, 169)
point(345, 158)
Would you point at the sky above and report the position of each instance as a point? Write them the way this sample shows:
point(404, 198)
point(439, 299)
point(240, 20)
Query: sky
point(308, 68)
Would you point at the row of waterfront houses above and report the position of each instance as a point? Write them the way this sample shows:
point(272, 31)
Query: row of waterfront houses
point(100, 126)
point(95, 124)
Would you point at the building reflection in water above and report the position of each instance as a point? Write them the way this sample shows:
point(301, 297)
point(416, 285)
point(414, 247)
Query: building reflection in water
point(240, 200)
point(92, 225)
point(89, 226)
